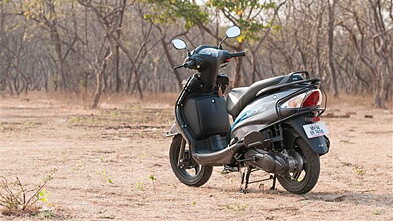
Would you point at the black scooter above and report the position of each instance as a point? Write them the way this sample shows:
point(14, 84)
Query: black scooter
point(276, 125)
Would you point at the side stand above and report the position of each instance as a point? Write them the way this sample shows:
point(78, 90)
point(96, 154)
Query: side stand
point(245, 179)
point(274, 182)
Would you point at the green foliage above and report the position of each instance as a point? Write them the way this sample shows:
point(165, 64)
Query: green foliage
point(377, 212)
point(359, 171)
point(47, 214)
point(17, 199)
point(43, 196)
point(169, 12)
point(29, 123)
point(139, 186)
point(34, 9)
point(38, 9)
point(4, 2)
point(105, 176)
point(245, 14)
point(83, 120)
point(236, 207)
point(153, 178)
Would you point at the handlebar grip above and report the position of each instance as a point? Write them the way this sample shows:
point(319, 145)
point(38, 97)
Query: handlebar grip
point(238, 54)
point(189, 64)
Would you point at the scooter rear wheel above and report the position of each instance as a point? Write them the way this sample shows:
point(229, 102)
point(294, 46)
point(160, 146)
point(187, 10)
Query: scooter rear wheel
point(184, 169)
point(305, 179)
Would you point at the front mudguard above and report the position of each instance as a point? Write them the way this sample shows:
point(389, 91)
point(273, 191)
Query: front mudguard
point(319, 145)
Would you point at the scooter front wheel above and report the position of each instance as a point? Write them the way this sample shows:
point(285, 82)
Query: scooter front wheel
point(303, 180)
point(184, 166)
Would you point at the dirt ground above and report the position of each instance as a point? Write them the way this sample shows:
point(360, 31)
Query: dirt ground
point(112, 163)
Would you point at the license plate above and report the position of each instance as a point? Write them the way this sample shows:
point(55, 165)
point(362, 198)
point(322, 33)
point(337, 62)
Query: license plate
point(315, 130)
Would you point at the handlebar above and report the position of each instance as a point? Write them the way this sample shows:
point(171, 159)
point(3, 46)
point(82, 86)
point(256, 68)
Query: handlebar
point(237, 54)
point(187, 64)
point(195, 62)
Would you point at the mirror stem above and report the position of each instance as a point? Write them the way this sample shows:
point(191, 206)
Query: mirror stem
point(220, 44)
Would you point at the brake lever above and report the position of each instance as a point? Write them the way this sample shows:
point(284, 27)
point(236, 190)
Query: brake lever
point(180, 66)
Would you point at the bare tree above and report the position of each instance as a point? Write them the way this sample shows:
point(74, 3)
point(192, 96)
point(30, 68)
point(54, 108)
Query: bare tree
point(124, 46)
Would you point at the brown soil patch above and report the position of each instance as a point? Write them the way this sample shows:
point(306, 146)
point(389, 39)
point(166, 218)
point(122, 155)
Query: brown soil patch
point(105, 157)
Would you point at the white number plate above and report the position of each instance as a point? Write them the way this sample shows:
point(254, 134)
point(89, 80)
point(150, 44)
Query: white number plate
point(315, 130)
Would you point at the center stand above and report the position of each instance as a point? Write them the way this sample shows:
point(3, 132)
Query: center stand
point(246, 179)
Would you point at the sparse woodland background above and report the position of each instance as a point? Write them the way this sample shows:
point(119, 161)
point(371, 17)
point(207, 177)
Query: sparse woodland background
point(124, 46)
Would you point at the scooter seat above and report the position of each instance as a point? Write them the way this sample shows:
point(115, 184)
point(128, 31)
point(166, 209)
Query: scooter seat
point(238, 98)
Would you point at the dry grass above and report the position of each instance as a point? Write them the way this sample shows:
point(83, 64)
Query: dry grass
point(355, 100)
point(166, 100)
point(18, 199)
point(29, 211)
point(73, 100)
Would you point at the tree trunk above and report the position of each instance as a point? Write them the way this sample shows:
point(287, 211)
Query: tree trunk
point(237, 76)
point(254, 66)
point(171, 62)
point(100, 78)
point(55, 37)
point(331, 45)
point(137, 84)
point(238, 66)
point(117, 47)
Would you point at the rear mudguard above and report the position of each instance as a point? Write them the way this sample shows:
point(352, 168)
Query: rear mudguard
point(319, 145)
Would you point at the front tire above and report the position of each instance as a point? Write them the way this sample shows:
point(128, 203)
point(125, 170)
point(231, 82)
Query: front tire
point(303, 180)
point(183, 171)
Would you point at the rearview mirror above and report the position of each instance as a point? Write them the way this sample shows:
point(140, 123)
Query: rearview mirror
point(179, 44)
point(233, 32)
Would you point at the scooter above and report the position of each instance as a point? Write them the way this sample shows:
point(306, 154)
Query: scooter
point(276, 124)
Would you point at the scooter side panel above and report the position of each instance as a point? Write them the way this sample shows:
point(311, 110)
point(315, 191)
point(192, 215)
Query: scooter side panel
point(258, 114)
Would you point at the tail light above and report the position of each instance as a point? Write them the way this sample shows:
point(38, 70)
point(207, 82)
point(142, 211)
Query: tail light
point(313, 99)
point(309, 99)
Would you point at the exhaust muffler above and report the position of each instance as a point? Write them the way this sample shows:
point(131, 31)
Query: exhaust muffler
point(277, 163)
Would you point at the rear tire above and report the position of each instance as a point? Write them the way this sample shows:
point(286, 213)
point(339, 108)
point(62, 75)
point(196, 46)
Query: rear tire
point(311, 169)
point(202, 173)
